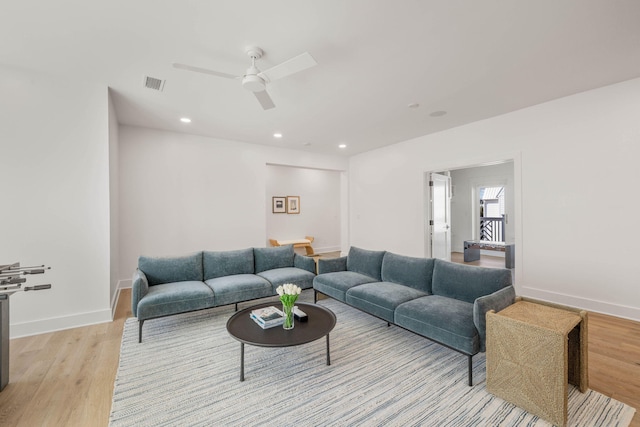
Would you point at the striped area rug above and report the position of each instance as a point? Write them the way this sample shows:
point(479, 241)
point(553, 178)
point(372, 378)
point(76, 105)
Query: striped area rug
point(186, 373)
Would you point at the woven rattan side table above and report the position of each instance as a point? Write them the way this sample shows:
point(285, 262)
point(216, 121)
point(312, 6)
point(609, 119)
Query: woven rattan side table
point(533, 352)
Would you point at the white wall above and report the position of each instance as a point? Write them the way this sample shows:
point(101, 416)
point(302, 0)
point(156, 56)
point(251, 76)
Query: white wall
point(584, 148)
point(464, 181)
point(54, 181)
point(184, 193)
point(319, 216)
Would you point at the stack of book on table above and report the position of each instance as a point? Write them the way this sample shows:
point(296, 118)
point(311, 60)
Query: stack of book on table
point(267, 317)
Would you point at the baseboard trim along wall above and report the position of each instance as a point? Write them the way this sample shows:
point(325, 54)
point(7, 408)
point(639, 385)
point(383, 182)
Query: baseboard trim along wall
point(325, 250)
point(122, 284)
point(25, 329)
point(616, 310)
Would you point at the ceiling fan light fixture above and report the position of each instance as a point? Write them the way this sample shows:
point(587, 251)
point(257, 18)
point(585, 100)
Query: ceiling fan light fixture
point(253, 83)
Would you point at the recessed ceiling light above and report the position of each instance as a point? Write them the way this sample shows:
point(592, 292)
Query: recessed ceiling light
point(438, 113)
point(277, 135)
point(342, 146)
point(185, 120)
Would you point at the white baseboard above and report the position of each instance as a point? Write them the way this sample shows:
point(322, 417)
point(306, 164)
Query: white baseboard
point(122, 284)
point(125, 284)
point(327, 249)
point(53, 324)
point(618, 310)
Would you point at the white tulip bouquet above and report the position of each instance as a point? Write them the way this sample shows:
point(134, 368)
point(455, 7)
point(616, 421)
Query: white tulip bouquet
point(288, 295)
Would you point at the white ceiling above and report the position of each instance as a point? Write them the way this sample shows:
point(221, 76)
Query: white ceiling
point(473, 59)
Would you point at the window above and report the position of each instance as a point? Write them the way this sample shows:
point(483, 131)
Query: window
point(492, 214)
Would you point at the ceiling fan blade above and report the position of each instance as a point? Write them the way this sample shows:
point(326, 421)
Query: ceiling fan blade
point(204, 71)
point(288, 67)
point(264, 99)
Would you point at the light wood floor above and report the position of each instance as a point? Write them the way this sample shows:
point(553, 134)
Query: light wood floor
point(66, 378)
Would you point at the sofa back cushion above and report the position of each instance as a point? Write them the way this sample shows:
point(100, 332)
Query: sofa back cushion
point(408, 271)
point(270, 258)
point(227, 263)
point(365, 262)
point(467, 282)
point(171, 269)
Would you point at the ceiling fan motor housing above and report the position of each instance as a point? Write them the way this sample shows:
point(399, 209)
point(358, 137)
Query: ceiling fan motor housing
point(251, 81)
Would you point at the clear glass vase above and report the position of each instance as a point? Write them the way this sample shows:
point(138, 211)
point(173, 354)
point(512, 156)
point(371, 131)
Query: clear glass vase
point(288, 316)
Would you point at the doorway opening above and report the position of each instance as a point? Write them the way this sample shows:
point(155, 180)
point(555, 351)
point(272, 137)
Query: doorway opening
point(482, 206)
point(320, 208)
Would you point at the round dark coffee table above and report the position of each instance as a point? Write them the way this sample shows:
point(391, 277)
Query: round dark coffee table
point(320, 322)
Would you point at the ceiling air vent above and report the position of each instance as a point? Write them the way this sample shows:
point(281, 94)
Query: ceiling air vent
point(153, 83)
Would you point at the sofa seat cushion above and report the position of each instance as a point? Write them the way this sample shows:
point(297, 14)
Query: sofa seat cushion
point(174, 298)
point(336, 284)
point(445, 320)
point(381, 298)
point(238, 288)
point(280, 276)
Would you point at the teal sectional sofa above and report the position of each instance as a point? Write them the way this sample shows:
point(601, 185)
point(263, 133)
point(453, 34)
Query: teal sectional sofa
point(439, 300)
point(166, 286)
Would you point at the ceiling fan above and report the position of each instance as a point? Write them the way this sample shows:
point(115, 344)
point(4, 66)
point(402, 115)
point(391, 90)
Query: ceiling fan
point(256, 80)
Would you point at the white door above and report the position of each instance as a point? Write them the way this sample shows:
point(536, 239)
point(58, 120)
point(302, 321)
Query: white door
point(440, 223)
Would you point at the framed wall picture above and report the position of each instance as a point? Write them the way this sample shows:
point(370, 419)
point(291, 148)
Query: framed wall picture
point(293, 204)
point(279, 204)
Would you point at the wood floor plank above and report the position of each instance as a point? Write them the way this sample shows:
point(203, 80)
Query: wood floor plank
point(614, 359)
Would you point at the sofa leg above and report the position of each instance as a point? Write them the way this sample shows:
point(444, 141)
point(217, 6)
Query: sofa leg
point(236, 306)
point(388, 324)
point(470, 371)
point(315, 296)
point(140, 322)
